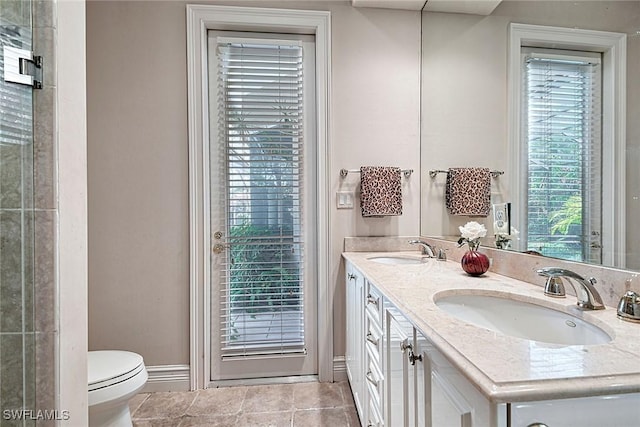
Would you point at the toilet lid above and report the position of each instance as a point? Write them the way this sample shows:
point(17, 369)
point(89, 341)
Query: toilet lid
point(107, 367)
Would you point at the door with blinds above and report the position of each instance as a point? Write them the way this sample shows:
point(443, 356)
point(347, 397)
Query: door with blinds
point(262, 203)
point(563, 132)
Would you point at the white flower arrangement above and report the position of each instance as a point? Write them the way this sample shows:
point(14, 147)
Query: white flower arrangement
point(503, 240)
point(471, 234)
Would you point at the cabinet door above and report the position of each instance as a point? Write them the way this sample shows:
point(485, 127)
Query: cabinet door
point(354, 352)
point(399, 409)
point(423, 413)
point(620, 410)
point(449, 407)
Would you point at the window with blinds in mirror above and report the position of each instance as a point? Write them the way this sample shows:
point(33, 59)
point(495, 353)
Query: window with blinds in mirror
point(562, 128)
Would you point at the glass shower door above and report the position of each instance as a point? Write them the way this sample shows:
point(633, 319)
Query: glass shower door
point(17, 325)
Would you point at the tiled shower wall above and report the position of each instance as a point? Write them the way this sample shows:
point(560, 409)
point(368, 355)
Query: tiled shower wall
point(27, 231)
point(45, 207)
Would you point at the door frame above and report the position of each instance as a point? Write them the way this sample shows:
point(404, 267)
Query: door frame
point(200, 19)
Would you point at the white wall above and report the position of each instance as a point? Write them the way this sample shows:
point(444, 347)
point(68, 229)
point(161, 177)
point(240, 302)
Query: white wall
point(72, 213)
point(138, 176)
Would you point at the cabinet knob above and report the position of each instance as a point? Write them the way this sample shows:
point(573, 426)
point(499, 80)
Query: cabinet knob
point(371, 338)
point(537, 425)
point(369, 377)
point(413, 357)
point(372, 300)
point(352, 276)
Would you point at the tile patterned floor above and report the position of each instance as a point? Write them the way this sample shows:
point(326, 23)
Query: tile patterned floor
point(309, 404)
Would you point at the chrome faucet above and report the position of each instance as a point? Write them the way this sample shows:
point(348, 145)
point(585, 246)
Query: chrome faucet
point(427, 249)
point(588, 296)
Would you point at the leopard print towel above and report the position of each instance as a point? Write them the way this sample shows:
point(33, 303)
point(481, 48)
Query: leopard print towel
point(380, 191)
point(468, 191)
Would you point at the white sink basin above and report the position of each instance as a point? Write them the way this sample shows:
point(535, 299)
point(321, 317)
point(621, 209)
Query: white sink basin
point(396, 260)
point(522, 319)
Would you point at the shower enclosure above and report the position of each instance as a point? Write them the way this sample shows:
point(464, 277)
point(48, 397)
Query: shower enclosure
point(17, 331)
point(27, 335)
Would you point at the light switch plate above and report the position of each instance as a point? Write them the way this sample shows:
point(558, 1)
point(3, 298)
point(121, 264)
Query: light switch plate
point(344, 200)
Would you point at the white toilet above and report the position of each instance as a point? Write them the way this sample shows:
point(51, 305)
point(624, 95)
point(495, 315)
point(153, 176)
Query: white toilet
point(114, 378)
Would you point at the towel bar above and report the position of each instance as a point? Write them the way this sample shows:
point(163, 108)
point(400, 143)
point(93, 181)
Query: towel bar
point(344, 172)
point(434, 172)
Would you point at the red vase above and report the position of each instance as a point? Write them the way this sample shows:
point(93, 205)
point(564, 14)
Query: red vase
point(475, 263)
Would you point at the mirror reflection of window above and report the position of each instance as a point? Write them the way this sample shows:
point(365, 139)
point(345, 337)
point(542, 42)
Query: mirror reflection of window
point(562, 130)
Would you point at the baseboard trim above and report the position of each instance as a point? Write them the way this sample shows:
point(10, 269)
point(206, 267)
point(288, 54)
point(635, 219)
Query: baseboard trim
point(339, 368)
point(176, 377)
point(167, 378)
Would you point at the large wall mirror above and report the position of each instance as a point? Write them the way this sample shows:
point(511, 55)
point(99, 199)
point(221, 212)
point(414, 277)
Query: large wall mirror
point(470, 118)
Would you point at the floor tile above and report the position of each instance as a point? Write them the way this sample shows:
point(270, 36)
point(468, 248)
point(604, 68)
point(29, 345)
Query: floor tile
point(136, 401)
point(210, 421)
point(160, 422)
point(317, 395)
point(330, 417)
point(266, 419)
point(268, 398)
point(165, 405)
point(281, 405)
point(218, 401)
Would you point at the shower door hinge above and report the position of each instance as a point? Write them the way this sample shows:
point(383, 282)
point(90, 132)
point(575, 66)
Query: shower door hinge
point(23, 67)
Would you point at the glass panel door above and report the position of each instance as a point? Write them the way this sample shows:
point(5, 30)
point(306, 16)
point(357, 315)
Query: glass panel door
point(262, 288)
point(17, 333)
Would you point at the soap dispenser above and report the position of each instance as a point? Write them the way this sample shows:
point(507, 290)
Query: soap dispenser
point(629, 307)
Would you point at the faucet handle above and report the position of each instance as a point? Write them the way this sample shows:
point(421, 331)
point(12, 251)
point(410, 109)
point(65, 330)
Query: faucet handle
point(629, 307)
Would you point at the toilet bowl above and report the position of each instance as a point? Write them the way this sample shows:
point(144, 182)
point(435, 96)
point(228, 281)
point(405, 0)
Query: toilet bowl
point(114, 378)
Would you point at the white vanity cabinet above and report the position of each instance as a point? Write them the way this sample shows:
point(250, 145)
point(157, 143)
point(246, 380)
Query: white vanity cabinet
point(363, 355)
point(354, 352)
point(622, 410)
point(399, 378)
point(400, 369)
point(423, 389)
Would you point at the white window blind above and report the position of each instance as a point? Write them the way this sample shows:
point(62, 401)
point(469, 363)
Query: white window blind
point(562, 113)
point(260, 120)
point(16, 105)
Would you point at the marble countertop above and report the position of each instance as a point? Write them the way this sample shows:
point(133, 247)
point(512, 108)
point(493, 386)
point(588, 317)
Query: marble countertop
point(505, 368)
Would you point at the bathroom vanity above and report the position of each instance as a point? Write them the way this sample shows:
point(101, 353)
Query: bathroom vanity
point(411, 362)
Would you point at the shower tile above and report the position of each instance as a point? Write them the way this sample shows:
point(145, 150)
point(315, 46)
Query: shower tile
point(29, 363)
point(28, 292)
point(11, 175)
point(44, 270)
point(44, 45)
point(44, 148)
point(45, 370)
point(11, 302)
point(11, 371)
point(44, 12)
point(16, 12)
